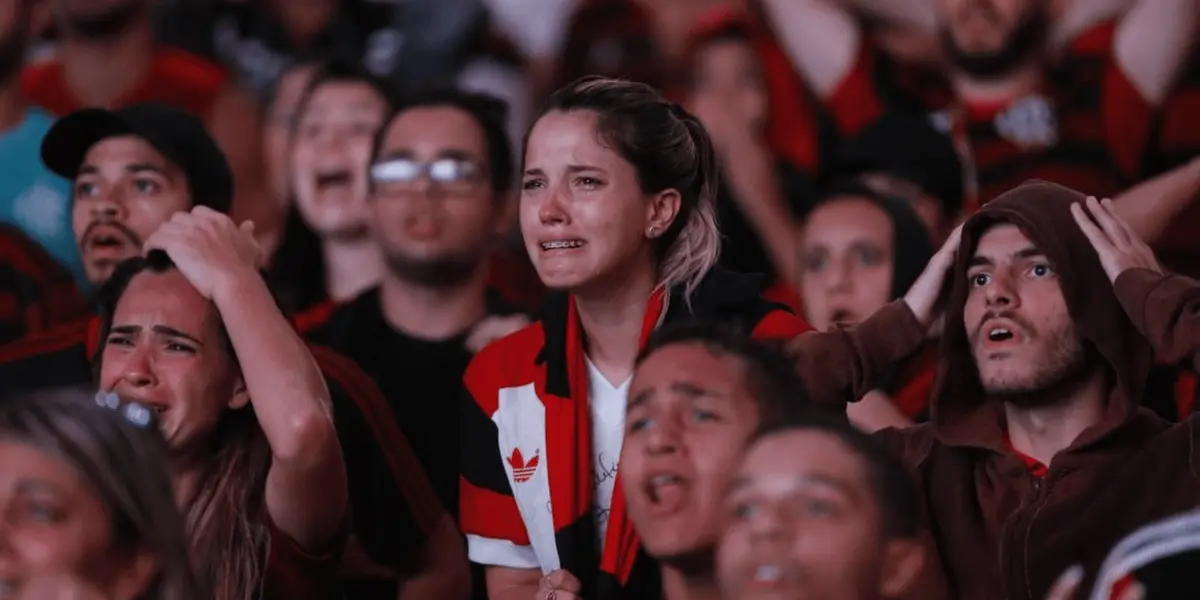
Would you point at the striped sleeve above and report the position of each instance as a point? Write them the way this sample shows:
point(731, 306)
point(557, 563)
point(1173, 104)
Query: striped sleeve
point(488, 512)
point(36, 292)
point(52, 359)
point(393, 506)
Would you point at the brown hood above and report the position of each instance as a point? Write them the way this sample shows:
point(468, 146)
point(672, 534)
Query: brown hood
point(1042, 211)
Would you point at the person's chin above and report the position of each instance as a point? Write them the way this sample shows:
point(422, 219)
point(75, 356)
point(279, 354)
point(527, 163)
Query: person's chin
point(561, 278)
point(678, 543)
point(99, 271)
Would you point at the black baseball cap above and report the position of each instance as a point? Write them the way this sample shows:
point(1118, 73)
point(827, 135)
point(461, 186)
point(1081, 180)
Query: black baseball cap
point(910, 147)
point(179, 136)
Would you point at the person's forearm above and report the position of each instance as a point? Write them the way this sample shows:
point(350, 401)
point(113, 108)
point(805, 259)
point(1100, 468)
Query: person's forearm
point(917, 14)
point(877, 411)
point(841, 366)
point(1152, 44)
point(1152, 205)
point(504, 583)
point(1165, 309)
point(757, 194)
point(285, 386)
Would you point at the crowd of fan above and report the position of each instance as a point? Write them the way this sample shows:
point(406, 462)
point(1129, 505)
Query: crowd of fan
point(599, 299)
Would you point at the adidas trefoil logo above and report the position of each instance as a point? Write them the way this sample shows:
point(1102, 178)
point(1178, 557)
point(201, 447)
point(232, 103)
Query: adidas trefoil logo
point(523, 471)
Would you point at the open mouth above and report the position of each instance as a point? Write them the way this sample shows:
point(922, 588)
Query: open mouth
point(768, 574)
point(999, 334)
point(843, 318)
point(772, 575)
point(105, 240)
point(561, 245)
point(667, 492)
point(334, 178)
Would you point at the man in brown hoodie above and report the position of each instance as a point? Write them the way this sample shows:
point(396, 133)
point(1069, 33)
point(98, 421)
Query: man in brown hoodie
point(1037, 456)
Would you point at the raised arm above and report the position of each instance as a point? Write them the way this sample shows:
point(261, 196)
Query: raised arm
point(1151, 206)
point(842, 365)
point(235, 124)
point(1152, 43)
point(1079, 16)
point(1165, 308)
point(820, 37)
point(306, 493)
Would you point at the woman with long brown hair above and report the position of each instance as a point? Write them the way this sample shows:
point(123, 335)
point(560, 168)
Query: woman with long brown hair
point(191, 331)
point(87, 502)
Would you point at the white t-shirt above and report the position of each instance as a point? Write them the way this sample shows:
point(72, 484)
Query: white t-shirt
point(607, 404)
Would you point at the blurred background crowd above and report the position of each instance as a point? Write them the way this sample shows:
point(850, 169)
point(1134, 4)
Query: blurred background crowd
point(851, 137)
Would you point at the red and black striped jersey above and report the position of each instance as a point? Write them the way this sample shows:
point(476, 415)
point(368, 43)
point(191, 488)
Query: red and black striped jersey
point(36, 292)
point(526, 493)
point(1087, 128)
point(393, 505)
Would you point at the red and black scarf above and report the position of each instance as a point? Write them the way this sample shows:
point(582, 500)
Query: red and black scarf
point(569, 446)
point(621, 569)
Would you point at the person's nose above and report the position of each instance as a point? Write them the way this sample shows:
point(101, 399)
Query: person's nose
point(109, 205)
point(769, 525)
point(664, 438)
point(138, 371)
point(553, 209)
point(1000, 292)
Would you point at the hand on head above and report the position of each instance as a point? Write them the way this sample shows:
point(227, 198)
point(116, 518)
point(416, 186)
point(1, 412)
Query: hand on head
point(559, 585)
point(1119, 248)
point(208, 248)
point(922, 298)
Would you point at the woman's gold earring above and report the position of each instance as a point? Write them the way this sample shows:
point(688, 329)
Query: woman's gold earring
point(652, 232)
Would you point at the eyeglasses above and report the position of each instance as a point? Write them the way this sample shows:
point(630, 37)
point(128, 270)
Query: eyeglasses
point(138, 415)
point(401, 174)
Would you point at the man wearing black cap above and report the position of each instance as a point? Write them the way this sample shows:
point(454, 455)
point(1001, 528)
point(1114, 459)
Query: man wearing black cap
point(132, 170)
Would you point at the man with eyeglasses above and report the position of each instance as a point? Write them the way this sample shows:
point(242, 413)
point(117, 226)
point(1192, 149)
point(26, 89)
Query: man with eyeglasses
point(132, 170)
point(440, 179)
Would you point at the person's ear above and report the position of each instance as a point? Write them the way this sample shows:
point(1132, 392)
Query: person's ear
point(661, 211)
point(240, 396)
point(903, 562)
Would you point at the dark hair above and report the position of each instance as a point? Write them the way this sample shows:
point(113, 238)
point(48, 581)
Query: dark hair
point(771, 376)
point(338, 70)
point(226, 521)
point(489, 112)
point(125, 464)
point(912, 247)
point(296, 274)
point(889, 480)
point(736, 31)
point(669, 149)
point(613, 39)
